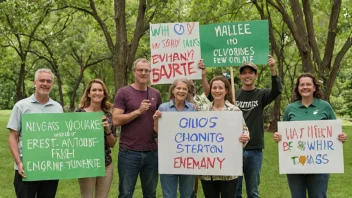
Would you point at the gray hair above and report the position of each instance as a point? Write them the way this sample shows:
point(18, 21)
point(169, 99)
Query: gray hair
point(143, 60)
point(45, 70)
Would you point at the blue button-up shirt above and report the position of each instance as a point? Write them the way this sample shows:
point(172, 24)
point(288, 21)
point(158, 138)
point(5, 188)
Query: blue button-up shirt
point(170, 106)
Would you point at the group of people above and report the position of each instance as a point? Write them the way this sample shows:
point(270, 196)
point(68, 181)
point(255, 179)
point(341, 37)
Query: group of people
point(137, 109)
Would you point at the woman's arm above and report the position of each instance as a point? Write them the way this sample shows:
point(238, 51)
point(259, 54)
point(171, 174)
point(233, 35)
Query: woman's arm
point(109, 130)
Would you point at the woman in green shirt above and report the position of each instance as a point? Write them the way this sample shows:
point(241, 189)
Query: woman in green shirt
point(308, 106)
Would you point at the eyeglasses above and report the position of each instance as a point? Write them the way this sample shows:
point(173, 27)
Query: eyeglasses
point(143, 70)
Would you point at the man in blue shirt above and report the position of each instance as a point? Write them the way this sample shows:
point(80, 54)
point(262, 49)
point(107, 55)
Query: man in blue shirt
point(39, 102)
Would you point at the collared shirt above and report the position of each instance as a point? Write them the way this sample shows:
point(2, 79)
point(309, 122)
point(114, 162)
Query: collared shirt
point(227, 107)
point(27, 106)
point(170, 106)
point(318, 110)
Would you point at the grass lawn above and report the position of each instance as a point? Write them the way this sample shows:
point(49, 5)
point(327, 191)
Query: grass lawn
point(273, 185)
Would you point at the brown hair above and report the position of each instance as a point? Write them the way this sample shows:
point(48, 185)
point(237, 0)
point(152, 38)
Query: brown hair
point(192, 91)
point(317, 94)
point(85, 100)
point(222, 78)
point(174, 84)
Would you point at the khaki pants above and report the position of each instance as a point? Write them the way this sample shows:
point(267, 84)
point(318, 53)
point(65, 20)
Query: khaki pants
point(101, 185)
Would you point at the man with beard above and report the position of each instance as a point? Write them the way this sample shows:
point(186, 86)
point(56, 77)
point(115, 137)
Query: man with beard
point(39, 102)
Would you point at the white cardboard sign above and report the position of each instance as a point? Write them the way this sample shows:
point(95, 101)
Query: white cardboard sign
point(200, 143)
point(175, 52)
point(310, 147)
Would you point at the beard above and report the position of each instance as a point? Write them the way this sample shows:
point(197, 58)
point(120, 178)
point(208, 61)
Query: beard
point(44, 92)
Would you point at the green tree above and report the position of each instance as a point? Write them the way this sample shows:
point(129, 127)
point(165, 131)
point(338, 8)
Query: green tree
point(318, 54)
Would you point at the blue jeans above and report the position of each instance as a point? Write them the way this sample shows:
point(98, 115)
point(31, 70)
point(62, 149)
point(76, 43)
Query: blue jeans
point(169, 185)
point(252, 165)
point(316, 184)
point(133, 163)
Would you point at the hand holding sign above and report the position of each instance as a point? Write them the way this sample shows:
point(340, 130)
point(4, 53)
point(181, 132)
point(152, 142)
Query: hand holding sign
point(244, 138)
point(342, 137)
point(145, 104)
point(271, 62)
point(21, 169)
point(202, 67)
point(157, 115)
point(106, 126)
point(277, 137)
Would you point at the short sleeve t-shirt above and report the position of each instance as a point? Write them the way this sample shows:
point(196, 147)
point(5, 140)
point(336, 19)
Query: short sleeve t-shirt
point(138, 135)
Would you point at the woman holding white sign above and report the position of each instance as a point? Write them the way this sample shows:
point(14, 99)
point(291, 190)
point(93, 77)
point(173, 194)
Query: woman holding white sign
point(179, 95)
point(221, 186)
point(96, 99)
point(308, 106)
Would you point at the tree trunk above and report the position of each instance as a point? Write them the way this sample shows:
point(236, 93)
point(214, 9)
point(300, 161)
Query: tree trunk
point(74, 90)
point(20, 82)
point(59, 85)
point(275, 115)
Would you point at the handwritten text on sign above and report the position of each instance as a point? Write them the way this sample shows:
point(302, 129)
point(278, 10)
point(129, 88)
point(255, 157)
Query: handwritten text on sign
point(175, 51)
point(231, 44)
point(200, 143)
point(63, 145)
point(310, 147)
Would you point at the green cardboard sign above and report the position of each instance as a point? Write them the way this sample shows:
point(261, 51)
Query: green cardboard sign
point(231, 44)
point(62, 146)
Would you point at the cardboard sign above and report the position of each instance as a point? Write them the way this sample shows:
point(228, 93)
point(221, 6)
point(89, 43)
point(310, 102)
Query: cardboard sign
point(62, 146)
point(310, 147)
point(200, 143)
point(175, 52)
point(231, 44)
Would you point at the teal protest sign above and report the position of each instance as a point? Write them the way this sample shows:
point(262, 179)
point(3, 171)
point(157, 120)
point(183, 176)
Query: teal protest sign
point(231, 44)
point(62, 146)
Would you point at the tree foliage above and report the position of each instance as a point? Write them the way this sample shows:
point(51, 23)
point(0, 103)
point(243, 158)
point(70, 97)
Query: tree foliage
point(81, 40)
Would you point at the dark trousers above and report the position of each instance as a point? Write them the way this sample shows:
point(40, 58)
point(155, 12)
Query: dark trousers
point(217, 189)
point(34, 189)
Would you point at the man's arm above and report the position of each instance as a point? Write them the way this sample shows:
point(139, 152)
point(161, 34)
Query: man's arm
point(276, 86)
point(13, 145)
point(271, 63)
point(120, 118)
point(205, 83)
